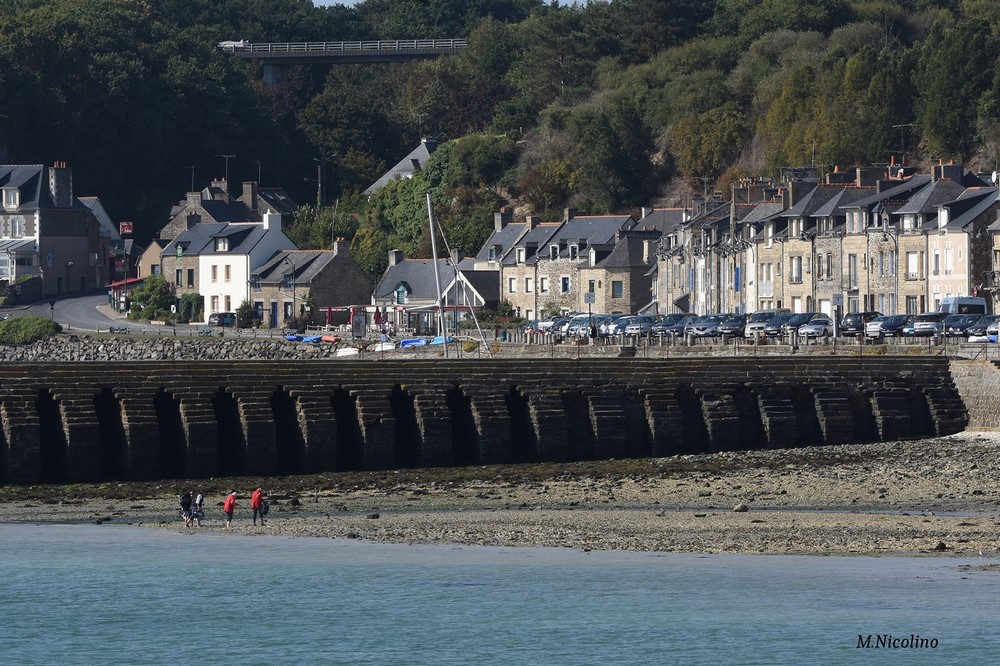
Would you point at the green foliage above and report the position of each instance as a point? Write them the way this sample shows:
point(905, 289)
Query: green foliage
point(191, 307)
point(152, 299)
point(706, 144)
point(25, 330)
point(245, 315)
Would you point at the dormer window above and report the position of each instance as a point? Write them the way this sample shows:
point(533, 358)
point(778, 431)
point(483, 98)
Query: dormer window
point(942, 217)
point(492, 253)
point(520, 255)
point(573, 250)
point(11, 197)
point(553, 252)
point(221, 244)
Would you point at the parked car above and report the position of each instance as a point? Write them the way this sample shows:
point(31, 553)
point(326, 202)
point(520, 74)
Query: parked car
point(673, 323)
point(776, 325)
point(979, 329)
point(797, 320)
point(992, 330)
point(758, 320)
point(820, 326)
point(617, 327)
point(853, 323)
point(640, 325)
point(895, 325)
point(873, 327)
point(957, 325)
point(733, 325)
point(929, 323)
point(706, 326)
point(222, 319)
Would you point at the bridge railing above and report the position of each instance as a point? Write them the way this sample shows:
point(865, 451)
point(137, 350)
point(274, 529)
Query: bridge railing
point(347, 47)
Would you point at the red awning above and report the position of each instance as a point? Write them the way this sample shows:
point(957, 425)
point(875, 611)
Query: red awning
point(129, 281)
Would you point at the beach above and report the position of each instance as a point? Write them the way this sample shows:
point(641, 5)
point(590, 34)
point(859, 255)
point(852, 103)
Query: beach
point(935, 496)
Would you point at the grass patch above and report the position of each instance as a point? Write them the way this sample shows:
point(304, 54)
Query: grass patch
point(25, 330)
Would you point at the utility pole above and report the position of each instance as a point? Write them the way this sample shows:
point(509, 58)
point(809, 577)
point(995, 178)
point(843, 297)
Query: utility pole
point(227, 169)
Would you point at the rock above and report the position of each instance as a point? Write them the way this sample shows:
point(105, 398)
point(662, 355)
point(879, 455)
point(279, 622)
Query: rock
point(741, 508)
point(940, 547)
point(372, 516)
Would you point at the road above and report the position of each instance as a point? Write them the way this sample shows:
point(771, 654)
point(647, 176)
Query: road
point(81, 313)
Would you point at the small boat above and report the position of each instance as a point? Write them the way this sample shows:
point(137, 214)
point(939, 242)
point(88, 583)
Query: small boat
point(330, 338)
point(384, 346)
point(439, 340)
point(413, 342)
point(347, 351)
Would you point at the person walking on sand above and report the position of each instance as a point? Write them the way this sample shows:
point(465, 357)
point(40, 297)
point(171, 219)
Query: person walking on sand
point(228, 507)
point(186, 507)
point(257, 504)
point(198, 509)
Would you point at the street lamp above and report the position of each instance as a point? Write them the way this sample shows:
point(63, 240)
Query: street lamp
point(288, 261)
point(69, 266)
point(895, 269)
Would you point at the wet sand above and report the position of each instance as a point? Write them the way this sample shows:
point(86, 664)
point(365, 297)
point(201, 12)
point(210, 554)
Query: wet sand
point(935, 496)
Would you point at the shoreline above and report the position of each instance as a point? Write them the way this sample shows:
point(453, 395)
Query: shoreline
point(934, 496)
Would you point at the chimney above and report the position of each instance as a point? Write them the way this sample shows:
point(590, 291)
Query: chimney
point(61, 185)
point(193, 199)
point(250, 194)
point(569, 214)
point(341, 247)
point(272, 221)
point(502, 219)
point(531, 221)
point(395, 257)
point(646, 212)
point(456, 256)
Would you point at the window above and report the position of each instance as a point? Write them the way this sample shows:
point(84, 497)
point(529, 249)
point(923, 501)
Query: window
point(553, 252)
point(852, 271)
point(520, 255)
point(400, 295)
point(937, 263)
point(179, 280)
point(215, 274)
point(616, 289)
point(492, 256)
point(222, 245)
point(16, 227)
point(591, 286)
point(565, 284)
point(154, 269)
point(228, 276)
point(543, 285)
point(819, 266)
point(829, 266)
point(215, 303)
point(511, 285)
point(795, 270)
point(229, 303)
point(11, 199)
point(190, 278)
point(573, 251)
point(529, 285)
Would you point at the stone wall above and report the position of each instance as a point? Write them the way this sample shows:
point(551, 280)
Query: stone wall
point(140, 419)
point(978, 382)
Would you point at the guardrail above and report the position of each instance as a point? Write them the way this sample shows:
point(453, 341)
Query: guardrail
point(346, 47)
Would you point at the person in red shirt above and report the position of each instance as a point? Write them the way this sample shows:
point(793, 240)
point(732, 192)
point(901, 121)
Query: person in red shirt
point(228, 507)
point(257, 504)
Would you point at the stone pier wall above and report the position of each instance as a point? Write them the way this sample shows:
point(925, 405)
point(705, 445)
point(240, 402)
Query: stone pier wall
point(978, 383)
point(73, 421)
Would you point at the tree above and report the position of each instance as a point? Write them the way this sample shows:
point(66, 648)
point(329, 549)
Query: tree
point(152, 299)
point(705, 145)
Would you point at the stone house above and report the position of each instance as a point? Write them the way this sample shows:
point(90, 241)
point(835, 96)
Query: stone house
point(408, 293)
point(621, 280)
point(46, 232)
point(293, 280)
point(216, 260)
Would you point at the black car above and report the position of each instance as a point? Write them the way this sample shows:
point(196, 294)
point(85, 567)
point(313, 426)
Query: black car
point(893, 326)
point(957, 325)
point(222, 319)
point(776, 325)
point(853, 323)
point(673, 324)
point(981, 324)
point(733, 325)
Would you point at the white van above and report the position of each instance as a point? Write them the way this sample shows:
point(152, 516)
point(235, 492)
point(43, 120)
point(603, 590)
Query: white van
point(963, 305)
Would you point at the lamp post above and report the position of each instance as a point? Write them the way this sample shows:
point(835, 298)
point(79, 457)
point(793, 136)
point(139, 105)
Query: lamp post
point(69, 266)
point(289, 261)
point(895, 269)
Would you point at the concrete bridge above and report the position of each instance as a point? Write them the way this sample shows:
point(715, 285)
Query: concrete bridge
point(277, 57)
point(73, 422)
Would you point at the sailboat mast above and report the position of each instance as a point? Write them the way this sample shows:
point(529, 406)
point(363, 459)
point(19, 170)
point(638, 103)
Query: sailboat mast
point(437, 278)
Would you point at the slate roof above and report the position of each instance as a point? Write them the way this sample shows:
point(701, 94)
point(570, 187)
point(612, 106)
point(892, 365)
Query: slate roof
point(591, 229)
point(200, 239)
point(486, 283)
point(407, 166)
point(305, 265)
point(813, 201)
point(506, 238)
point(970, 205)
point(842, 199)
point(929, 198)
point(664, 220)
point(278, 200)
point(540, 236)
point(32, 183)
point(903, 190)
point(627, 253)
point(418, 275)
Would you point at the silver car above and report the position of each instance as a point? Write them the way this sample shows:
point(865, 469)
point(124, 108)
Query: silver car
point(820, 326)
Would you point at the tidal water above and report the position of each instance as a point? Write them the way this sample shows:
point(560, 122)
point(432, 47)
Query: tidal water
point(89, 594)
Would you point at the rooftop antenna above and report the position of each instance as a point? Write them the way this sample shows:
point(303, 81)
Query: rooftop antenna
point(227, 169)
point(191, 166)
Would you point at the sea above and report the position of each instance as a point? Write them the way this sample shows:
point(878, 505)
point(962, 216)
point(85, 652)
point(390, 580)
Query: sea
point(118, 594)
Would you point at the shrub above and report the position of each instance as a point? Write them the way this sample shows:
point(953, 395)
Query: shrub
point(25, 330)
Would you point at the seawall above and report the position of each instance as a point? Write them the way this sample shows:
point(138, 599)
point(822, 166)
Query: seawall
point(90, 421)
